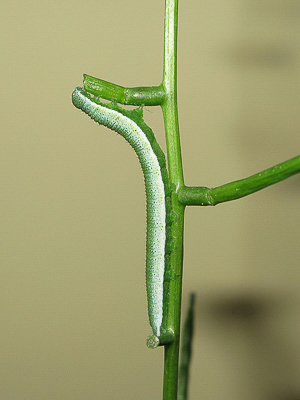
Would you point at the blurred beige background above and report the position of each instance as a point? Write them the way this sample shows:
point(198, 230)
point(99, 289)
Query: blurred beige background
point(73, 303)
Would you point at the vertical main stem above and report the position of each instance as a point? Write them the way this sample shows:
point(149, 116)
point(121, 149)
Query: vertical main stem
point(170, 113)
point(169, 105)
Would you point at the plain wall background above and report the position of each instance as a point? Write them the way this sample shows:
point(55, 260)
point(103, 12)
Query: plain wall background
point(72, 299)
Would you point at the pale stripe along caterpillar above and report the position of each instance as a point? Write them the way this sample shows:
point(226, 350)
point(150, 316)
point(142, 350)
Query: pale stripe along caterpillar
point(131, 126)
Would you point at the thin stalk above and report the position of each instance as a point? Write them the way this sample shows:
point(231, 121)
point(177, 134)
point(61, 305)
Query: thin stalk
point(170, 113)
point(186, 351)
point(138, 96)
point(203, 196)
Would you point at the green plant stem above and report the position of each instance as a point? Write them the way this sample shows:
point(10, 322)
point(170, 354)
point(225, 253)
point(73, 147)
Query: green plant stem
point(186, 351)
point(203, 196)
point(170, 113)
point(138, 96)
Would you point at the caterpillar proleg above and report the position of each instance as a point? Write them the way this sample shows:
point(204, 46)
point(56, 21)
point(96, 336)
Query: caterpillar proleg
point(131, 126)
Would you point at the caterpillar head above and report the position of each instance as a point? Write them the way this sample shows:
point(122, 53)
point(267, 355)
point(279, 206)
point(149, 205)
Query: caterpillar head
point(78, 98)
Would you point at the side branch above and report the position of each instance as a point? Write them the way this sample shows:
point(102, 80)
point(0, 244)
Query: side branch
point(137, 96)
point(203, 196)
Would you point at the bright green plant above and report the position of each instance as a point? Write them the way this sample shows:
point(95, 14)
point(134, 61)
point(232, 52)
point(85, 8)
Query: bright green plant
point(165, 95)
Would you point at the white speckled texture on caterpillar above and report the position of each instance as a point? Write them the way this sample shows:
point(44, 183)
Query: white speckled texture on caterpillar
point(155, 192)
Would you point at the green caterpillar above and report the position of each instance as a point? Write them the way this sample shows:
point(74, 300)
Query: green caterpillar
point(131, 126)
